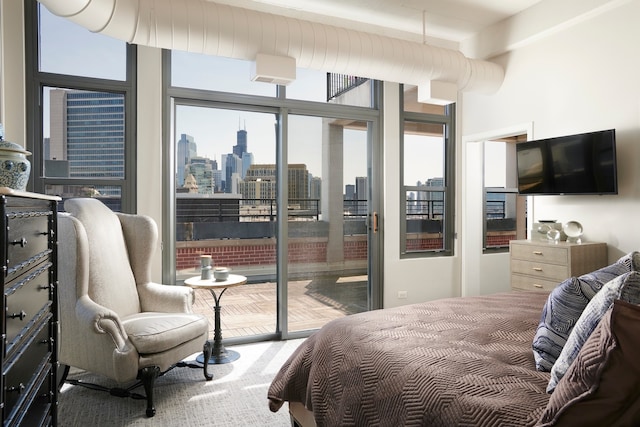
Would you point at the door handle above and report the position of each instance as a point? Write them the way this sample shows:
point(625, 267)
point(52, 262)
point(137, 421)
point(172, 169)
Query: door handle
point(375, 222)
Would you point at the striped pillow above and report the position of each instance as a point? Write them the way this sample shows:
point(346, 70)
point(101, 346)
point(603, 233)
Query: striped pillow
point(565, 305)
point(626, 288)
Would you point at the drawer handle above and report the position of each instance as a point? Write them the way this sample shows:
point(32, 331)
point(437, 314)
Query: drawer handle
point(19, 388)
point(20, 315)
point(537, 252)
point(22, 242)
point(535, 285)
point(537, 268)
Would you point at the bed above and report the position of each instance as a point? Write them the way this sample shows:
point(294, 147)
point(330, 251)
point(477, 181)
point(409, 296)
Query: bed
point(566, 358)
point(451, 362)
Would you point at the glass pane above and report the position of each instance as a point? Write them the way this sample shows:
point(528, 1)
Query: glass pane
point(225, 208)
point(67, 48)
point(110, 195)
point(328, 205)
point(319, 86)
point(502, 219)
point(502, 204)
point(423, 160)
point(207, 72)
point(423, 165)
point(83, 134)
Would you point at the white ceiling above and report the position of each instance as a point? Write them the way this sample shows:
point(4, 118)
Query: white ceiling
point(441, 22)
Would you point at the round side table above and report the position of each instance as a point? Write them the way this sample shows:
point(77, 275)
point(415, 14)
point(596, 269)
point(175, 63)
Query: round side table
point(219, 354)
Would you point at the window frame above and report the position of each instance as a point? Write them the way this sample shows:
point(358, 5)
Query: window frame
point(447, 120)
point(39, 80)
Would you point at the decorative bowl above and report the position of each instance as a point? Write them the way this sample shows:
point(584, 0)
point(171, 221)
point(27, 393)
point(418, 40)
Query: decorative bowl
point(14, 166)
point(221, 273)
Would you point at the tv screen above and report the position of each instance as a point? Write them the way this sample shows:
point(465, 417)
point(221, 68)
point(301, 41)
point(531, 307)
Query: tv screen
point(574, 164)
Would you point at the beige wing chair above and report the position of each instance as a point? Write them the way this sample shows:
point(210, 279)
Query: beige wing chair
point(114, 321)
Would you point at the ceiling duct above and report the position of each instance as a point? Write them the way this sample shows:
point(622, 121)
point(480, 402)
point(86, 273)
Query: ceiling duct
point(206, 27)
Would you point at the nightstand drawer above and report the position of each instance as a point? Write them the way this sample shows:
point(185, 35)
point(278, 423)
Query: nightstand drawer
point(543, 266)
point(540, 253)
point(528, 283)
point(540, 270)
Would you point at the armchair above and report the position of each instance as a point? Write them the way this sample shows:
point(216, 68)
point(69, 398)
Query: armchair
point(114, 321)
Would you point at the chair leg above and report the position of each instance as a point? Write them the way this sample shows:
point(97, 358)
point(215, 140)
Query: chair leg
point(207, 355)
point(62, 373)
point(148, 376)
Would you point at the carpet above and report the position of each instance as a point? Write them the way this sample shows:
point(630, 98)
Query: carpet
point(237, 395)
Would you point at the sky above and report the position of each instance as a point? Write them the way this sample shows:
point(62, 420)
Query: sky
point(214, 130)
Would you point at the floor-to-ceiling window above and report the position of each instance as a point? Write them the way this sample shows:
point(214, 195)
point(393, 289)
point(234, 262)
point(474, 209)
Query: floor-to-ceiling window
point(274, 183)
point(81, 111)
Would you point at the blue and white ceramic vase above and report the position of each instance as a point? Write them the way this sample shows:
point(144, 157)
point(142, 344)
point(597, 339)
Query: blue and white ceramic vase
point(14, 166)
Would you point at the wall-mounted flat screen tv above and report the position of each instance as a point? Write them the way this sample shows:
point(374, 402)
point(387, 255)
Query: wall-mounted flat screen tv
point(574, 164)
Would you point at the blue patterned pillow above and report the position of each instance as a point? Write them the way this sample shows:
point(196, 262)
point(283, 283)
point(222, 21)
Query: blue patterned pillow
point(626, 288)
point(565, 305)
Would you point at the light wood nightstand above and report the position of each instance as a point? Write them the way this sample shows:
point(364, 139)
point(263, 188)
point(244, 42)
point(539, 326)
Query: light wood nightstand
point(538, 265)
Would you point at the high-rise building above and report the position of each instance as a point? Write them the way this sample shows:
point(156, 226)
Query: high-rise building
point(187, 149)
point(349, 192)
point(232, 165)
point(241, 143)
point(315, 187)
point(87, 131)
point(298, 177)
point(202, 170)
point(247, 161)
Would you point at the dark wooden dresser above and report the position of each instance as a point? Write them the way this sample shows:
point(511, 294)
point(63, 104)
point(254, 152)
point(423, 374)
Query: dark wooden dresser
point(30, 324)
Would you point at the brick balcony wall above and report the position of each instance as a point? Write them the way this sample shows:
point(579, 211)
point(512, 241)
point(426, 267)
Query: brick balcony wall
point(257, 252)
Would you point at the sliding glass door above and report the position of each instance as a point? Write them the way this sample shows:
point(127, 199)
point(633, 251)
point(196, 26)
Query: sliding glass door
point(225, 207)
point(296, 224)
point(328, 214)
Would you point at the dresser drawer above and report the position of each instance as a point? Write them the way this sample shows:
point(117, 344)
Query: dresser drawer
point(22, 373)
point(540, 253)
point(26, 298)
point(27, 240)
point(528, 283)
point(540, 270)
point(35, 410)
point(536, 265)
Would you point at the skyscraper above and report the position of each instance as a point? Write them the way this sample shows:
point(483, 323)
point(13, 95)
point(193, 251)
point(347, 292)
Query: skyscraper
point(241, 143)
point(88, 133)
point(187, 150)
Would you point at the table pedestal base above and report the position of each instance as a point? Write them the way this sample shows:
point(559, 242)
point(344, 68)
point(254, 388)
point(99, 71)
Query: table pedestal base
point(226, 356)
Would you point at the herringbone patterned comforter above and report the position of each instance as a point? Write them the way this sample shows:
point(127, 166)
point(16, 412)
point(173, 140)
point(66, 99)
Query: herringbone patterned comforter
point(453, 362)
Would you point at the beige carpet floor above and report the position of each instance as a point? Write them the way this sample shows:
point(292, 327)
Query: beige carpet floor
point(237, 395)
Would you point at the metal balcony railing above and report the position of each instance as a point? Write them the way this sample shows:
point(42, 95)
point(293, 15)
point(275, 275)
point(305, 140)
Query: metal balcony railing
point(337, 84)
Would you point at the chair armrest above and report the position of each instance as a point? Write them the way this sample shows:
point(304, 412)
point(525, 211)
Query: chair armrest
point(166, 298)
point(102, 320)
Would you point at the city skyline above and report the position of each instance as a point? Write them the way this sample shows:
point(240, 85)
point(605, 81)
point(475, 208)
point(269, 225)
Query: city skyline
point(188, 149)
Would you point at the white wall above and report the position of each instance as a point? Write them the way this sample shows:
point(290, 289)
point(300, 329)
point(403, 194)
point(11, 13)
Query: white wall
point(581, 79)
point(149, 144)
point(422, 278)
point(12, 75)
